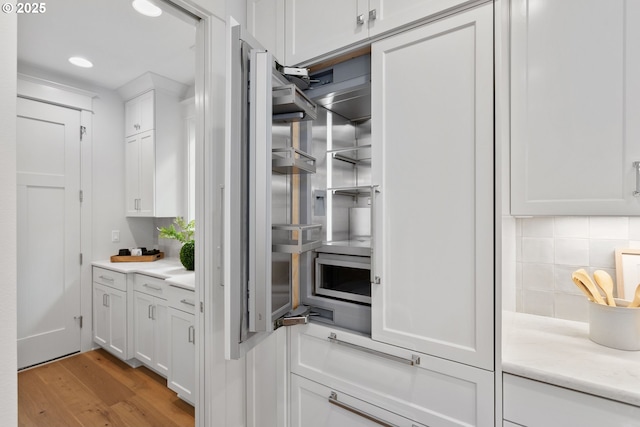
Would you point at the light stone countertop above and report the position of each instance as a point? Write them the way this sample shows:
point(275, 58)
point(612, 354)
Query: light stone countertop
point(169, 269)
point(560, 352)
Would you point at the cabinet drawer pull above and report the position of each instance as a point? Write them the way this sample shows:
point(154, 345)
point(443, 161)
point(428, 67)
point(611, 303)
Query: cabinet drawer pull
point(155, 288)
point(186, 301)
point(333, 399)
point(415, 360)
point(360, 19)
point(107, 278)
point(373, 14)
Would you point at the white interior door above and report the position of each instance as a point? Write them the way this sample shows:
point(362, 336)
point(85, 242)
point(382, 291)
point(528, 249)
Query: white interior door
point(48, 166)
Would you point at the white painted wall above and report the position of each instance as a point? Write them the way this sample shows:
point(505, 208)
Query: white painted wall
point(8, 352)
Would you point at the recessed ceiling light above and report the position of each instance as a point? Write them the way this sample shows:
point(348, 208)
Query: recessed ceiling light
point(146, 8)
point(80, 62)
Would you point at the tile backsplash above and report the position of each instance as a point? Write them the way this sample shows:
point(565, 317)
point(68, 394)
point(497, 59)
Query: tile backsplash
point(537, 277)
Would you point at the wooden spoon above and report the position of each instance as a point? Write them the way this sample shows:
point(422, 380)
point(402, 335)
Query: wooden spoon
point(603, 279)
point(583, 277)
point(636, 298)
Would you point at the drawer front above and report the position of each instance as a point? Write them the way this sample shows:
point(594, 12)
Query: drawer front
point(150, 285)
point(433, 392)
point(110, 278)
point(532, 403)
point(181, 299)
point(315, 405)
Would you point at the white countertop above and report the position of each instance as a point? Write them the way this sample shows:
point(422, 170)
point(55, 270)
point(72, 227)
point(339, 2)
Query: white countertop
point(560, 352)
point(169, 269)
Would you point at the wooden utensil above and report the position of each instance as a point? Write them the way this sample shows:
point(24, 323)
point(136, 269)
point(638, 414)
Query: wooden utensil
point(636, 298)
point(583, 281)
point(604, 280)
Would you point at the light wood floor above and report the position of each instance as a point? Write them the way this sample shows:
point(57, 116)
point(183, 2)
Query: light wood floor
point(94, 389)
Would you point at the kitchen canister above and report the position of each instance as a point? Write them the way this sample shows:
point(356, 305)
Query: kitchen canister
point(615, 327)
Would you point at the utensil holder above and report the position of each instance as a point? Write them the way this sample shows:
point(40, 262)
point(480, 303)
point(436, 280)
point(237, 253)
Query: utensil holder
point(615, 327)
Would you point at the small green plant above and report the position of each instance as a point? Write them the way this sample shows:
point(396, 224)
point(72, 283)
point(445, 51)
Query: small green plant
point(183, 235)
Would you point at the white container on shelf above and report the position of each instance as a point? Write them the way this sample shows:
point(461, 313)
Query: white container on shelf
point(615, 327)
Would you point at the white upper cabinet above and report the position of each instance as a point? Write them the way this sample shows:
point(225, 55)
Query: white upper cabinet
point(313, 29)
point(433, 244)
point(155, 159)
point(138, 114)
point(575, 103)
point(265, 22)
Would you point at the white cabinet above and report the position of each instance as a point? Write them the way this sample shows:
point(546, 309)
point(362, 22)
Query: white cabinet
point(532, 404)
point(140, 173)
point(265, 21)
point(182, 354)
point(432, 137)
point(315, 405)
point(314, 29)
point(110, 319)
point(155, 159)
point(139, 114)
point(426, 389)
point(575, 100)
point(150, 324)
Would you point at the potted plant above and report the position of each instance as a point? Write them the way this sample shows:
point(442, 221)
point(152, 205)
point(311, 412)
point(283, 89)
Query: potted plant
point(184, 234)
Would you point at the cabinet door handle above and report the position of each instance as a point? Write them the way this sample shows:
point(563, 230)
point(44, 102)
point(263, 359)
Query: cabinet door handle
point(373, 14)
point(192, 334)
point(106, 298)
point(415, 360)
point(333, 399)
point(155, 288)
point(636, 192)
point(149, 314)
point(186, 301)
point(375, 278)
point(360, 19)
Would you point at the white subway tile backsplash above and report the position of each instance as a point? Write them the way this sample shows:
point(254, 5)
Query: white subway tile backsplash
point(634, 228)
point(548, 249)
point(571, 226)
point(602, 252)
point(606, 227)
point(537, 276)
point(537, 249)
point(571, 307)
point(537, 227)
point(572, 251)
point(538, 302)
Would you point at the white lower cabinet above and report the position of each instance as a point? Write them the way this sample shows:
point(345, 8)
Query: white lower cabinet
point(182, 354)
point(425, 389)
point(150, 317)
point(532, 403)
point(316, 405)
point(110, 319)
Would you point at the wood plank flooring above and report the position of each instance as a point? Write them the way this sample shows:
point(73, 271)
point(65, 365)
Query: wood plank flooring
point(94, 389)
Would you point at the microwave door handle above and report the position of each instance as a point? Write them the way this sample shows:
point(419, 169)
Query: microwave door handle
point(260, 132)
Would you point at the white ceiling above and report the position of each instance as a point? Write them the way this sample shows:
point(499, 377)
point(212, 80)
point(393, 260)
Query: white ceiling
point(121, 43)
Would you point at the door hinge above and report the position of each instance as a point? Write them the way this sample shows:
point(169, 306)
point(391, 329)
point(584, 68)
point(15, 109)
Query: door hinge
point(79, 318)
point(81, 196)
point(83, 131)
point(81, 258)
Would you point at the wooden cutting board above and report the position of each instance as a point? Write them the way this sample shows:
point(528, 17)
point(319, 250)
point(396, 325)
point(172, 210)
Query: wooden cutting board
point(141, 258)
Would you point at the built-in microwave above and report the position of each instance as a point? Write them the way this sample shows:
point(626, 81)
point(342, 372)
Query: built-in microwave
point(343, 277)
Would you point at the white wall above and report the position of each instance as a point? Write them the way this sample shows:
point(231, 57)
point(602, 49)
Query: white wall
point(8, 358)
